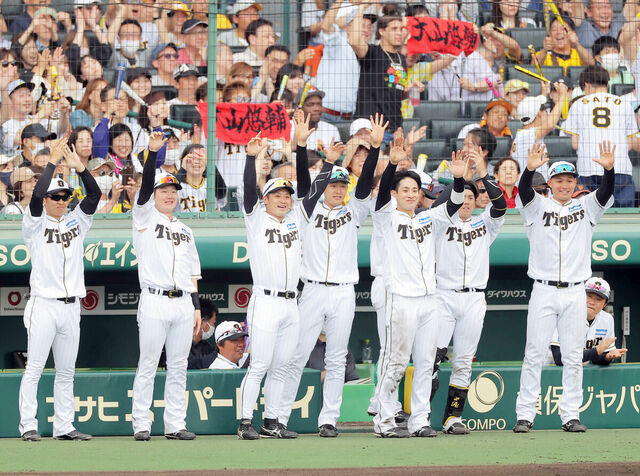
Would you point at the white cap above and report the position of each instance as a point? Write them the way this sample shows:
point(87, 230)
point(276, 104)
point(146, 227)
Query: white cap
point(163, 179)
point(358, 124)
point(85, 3)
point(529, 108)
point(426, 183)
point(598, 286)
point(243, 5)
point(275, 184)
point(229, 330)
point(58, 185)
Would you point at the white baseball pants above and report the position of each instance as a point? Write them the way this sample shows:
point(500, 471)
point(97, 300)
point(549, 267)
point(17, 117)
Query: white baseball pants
point(333, 306)
point(551, 307)
point(413, 326)
point(50, 324)
point(273, 330)
point(162, 322)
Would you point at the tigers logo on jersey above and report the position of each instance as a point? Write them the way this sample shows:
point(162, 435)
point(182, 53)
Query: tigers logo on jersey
point(407, 232)
point(333, 224)
point(455, 233)
point(54, 236)
point(274, 236)
point(553, 219)
point(166, 233)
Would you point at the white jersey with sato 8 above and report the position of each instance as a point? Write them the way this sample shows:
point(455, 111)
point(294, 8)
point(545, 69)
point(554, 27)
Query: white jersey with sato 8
point(192, 198)
point(57, 253)
point(166, 249)
point(274, 248)
point(330, 242)
point(464, 252)
point(596, 118)
point(524, 141)
point(601, 328)
point(560, 236)
point(409, 248)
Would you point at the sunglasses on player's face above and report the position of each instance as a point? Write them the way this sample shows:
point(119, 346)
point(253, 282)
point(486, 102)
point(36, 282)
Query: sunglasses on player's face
point(57, 198)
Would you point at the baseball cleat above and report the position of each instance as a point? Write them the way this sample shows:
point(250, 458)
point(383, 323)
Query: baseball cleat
point(574, 426)
point(180, 435)
point(456, 428)
point(74, 435)
point(327, 431)
point(401, 417)
point(395, 432)
point(246, 431)
point(425, 432)
point(277, 431)
point(522, 426)
point(142, 436)
point(31, 435)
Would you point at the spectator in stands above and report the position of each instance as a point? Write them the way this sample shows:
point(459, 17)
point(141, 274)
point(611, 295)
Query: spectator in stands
point(515, 90)
point(495, 118)
point(606, 51)
point(539, 184)
point(243, 13)
point(27, 53)
point(23, 21)
point(296, 78)
point(121, 146)
point(8, 73)
point(600, 21)
point(537, 124)
point(507, 172)
point(89, 110)
point(202, 354)
point(224, 61)
point(466, 10)
point(170, 23)
point(573, 9)
point(174, 150)
point(155, 114)
point(186, 77)
point(41, 159)
point(88, 38)
point(286, 100)
point(264, 165)
point(44, 29)
point(231, 344)
point(90, 69)
point(130, 50)
point(562, 47)
point(325, 133)
point(103, 171)
point(131, 183)
point(34, 138)
point(193, 195)
point(361, 128)
point(165, 60)
point(8, 164)
point(554, 94)
point(355, 155)
point(317, 359)
point(80, 141)
point(505, 14)
point(139, 79)
point(23, 179)
point(196, 37)
point(486, 142)
point(140, 12)
point(260, 36)
point(316, 161)
point(275, 57)
point(285, 170)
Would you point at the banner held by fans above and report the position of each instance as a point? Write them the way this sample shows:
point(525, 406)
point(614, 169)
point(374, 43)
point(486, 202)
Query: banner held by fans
point(442, 36)
point(237, 123)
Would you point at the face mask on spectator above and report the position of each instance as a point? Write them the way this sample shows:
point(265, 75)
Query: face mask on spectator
point(130, 47)
point(610, 62)
point(37, 148)
point(84, 52)
point(207, 334)
point(105, 182)
point(172, 157)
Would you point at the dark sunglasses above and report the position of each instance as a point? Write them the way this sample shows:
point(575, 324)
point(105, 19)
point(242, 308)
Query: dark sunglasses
point(170, 56)
point(57, 198)
point(482, 190)
point(9, 63)
point(542, 191)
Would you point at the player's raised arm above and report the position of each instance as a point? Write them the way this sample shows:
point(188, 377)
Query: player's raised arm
point(254, 147)
point(386, 181)
point(300, 137)
point(457, 167)
point(40, 190)
point(156, 141)
point(607, 160)
point(322, 180)
point(535, 160)
point(363, 188)
point(498, 200)
point(89, 204)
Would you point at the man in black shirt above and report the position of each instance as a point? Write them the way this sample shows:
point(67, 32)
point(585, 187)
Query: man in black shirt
point(383, 72)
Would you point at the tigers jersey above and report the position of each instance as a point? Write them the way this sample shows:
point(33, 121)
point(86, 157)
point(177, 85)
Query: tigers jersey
point(560, 236)
point(192, 198)
point(596, 118)
point(464, 251)
point(230, 159)
point(601, 328)
point(524, 141)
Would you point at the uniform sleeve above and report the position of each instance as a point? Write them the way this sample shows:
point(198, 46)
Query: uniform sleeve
point(593, 208)
point(630, 125)
point(142, 214)
point(36, 206)
point(31, 226)
point(611, 332)
point(529, 211)
point(440, 215)
point(85, 219)
point(571, 124)
point(196, 272)
point(494, 225)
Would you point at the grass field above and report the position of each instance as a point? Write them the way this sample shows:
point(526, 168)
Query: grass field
point(349, 450)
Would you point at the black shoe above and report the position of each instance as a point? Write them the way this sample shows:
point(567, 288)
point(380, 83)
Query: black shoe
point(371, 414)
point(180, 435)
point(31, 435)
point(425, 432)
point(328, 431)
point(277, 431)
point(395, 432)
point(574, 426)
point(522, 426)
point(246, 431)
point(401, 417)
point(142, 436)
point(74, 435)
point(457, 428)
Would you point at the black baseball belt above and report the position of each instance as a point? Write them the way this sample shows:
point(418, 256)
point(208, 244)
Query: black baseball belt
point(171, 293)
point(558, 284)
point(469, 290)
point(281, 294)
point(67, 300)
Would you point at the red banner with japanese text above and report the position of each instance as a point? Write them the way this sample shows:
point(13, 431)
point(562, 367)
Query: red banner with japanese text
point(443, 36)
point(237, 123)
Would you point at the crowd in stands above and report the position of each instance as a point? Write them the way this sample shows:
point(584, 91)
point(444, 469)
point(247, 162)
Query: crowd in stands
point(59, 63)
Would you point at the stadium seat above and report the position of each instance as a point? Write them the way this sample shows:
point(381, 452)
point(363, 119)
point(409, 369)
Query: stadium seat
point(183, 112)
point(343, 129)
point(438, 110)
point(60, 6)
point(11, 8)
point(503, 147)
point(169, 91)
point(407, 124)
point(559, 146)
point(109, 74)
point(528, 36)
point(514, 126)
point(548, 72)
point(232, 200)
point(568, 158)
point(446, 128)
point(434, 148)
point(574, 73)
point(475, 109)
point(622, 89)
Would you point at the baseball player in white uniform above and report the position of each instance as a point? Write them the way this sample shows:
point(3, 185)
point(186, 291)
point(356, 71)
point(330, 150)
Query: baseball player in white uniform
point(559, 230)
point(599, 346)
point(169, 309)
point(464, 247)
point(329, 272)
point(273, 237)
point(597, 117)
point(52, 314)
point(409, 277)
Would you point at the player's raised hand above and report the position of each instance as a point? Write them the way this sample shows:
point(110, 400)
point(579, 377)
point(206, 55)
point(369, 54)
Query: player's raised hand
point(458, 164)
point(303, 130)
point(334, 151)
point(57, 150)
point(605, 344)
point(415, 134)
point(607, 155)
point(71, 158)
point(475, 156)
point(615, 354)
point(537, 157)
point(156, 141)
point(378, 129)
point(398, 151)
point(256, 145)
point(562, 88)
